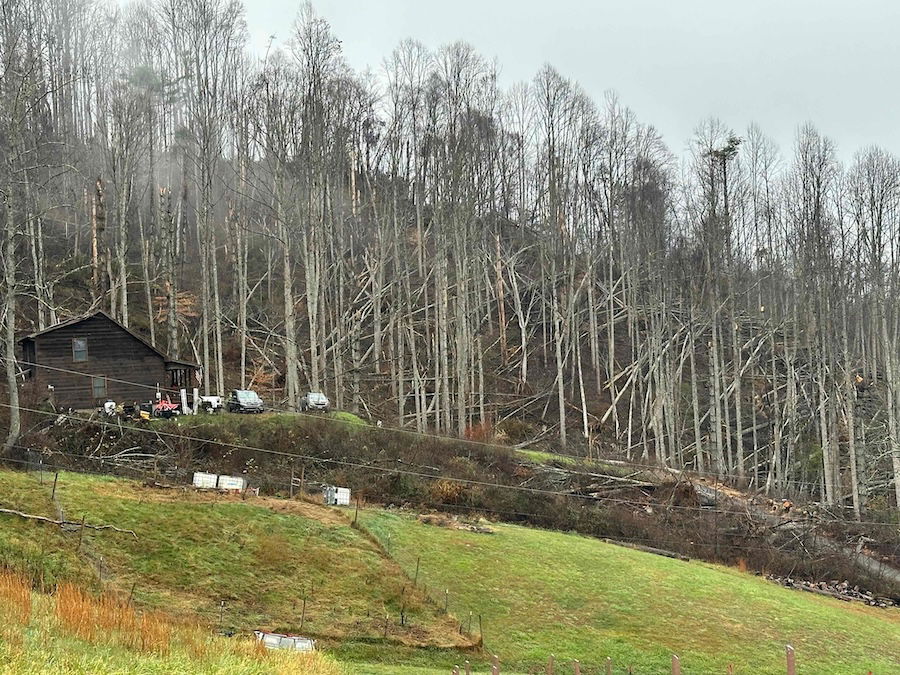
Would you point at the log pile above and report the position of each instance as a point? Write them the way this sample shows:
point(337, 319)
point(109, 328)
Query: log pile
point(842, 590)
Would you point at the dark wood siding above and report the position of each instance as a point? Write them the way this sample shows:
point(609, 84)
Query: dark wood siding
point(111, 352)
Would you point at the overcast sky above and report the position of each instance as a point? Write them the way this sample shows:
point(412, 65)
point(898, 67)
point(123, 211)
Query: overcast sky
point(674, 62)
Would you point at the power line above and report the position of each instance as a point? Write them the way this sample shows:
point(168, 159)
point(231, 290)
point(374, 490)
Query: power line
point(416, 474)
point(451, 439)
point(441, 505)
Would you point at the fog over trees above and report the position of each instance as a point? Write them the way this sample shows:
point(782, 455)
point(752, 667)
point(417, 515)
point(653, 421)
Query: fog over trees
point(446, 255)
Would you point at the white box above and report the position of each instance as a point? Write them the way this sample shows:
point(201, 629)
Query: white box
point(232, 483)
point(205, 480)
point(336, 496)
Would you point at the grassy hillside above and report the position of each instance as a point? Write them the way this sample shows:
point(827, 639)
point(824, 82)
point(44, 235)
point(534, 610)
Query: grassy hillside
point(76, 633)
point(193, 551)
point(542, 592)
point(538, 592)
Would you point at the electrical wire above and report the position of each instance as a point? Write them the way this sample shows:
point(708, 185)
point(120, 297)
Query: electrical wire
point(416, 474)
point(434, 436)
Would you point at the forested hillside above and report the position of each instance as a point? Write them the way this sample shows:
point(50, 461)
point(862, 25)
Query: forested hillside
point(447, 255)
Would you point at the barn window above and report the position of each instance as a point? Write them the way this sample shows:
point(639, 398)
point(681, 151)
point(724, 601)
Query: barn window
point(79, 350)
point(98, 387)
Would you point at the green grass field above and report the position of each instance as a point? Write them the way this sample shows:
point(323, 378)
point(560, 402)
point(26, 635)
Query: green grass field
point(194, 551)
point(542, 592)
point(537, 592)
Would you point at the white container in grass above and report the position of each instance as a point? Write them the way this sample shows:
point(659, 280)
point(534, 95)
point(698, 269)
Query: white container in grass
point(232, 483)
point(281, 641)
point(205, 481)
point(336, 496)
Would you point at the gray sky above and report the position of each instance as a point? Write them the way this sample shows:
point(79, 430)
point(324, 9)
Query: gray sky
point(778, 63)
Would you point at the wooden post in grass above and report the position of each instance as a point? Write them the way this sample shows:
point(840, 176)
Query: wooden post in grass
point(53, 493)
point(302, 478)
point(468, 667)
point(481, 641)
point(385, 625)
point(221, 612)
point(550, 665)
point(608, 665)
point(576, 667)
point(446, 599)
point(676, 665)
point(791, 663)
point(416, 577)
point(356, 514)
point(80, 534)
point(495, 665)
point(303, 614)
point(292, 481)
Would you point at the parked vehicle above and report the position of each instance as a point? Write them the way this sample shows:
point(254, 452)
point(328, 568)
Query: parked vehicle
point(165, 408)
point(315, 400)
point(211, 404)
point(245, 401)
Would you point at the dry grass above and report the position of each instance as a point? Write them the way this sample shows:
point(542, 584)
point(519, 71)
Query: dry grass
point(109, 619)
point(78, 632)
point(15, 597)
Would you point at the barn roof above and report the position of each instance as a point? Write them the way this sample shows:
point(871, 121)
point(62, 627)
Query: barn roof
point(90, 315)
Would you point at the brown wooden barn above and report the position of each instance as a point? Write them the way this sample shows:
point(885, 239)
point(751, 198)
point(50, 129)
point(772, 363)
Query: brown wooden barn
point(82, 362)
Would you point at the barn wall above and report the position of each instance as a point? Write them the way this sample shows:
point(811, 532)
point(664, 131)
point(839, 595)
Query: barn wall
point(112, 352)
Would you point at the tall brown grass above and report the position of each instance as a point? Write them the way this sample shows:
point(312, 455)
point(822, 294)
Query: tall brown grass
point(15, 597)
point(109, 619)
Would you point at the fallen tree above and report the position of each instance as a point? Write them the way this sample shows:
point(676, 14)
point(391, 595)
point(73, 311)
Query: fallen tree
point(64, 523)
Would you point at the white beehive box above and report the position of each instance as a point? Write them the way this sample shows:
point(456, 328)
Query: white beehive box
point(232, 483)
point(337, 496)
point(205, 480)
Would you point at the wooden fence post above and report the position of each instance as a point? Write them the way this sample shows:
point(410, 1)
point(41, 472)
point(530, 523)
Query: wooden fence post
point(53, 494)
point(576, 666)
point(80, 534)
point(550, 665)
point(468, 667)
point(676, 665)
point(608, 665)
point(791, 663)
point(416, 578)
point(495, 666)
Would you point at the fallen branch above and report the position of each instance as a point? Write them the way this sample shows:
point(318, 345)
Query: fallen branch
point(63, 523)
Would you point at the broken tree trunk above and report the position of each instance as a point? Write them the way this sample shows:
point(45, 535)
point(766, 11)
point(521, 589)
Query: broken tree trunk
point(63, 523)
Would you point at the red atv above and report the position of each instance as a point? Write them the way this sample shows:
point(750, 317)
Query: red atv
point(165, 408)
